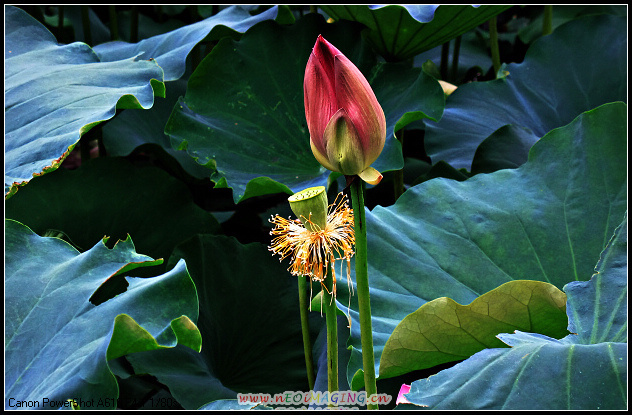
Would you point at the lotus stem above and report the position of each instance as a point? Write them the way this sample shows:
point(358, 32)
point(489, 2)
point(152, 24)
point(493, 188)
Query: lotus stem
point(303, 299)
point(60, 24)
point(398, 177)
point(133, 31)
point(455, 59)
point(84, 149)
point(101, 146)
point(547, 23)
point(113, 23)
point(443, 65)
point(493, 44)
point(362, 283)
point(329, 305)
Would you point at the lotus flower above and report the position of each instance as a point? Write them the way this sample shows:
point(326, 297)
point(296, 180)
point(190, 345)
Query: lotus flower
point(346, 123)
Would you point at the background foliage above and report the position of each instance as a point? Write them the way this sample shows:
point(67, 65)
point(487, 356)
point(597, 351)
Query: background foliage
point(146, 147)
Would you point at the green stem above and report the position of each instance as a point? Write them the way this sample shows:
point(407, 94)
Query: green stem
point(101, 146)
point(547, 24)
point(60, 24)
point(303, 300)
point(84, 149)
point(455, 59)
point(113, 23)
point(133, 29)
point(398, 178)
point(362, 283)
point(329, 304)
point(493, 44)
point(445, 55)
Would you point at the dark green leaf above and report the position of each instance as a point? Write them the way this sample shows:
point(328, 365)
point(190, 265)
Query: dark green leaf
point(111, 197)
point(57, 343)
point(170, 49)
point(587, 370)
point(443, 331)
point(507, 148)
point(55, 93)
point(597, 308)
point(564, 13)
point(401, 32)
point(553, 85)
point(132, 129)
point(249, 322)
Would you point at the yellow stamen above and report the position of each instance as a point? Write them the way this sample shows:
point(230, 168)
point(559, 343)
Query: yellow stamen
point(313, 253)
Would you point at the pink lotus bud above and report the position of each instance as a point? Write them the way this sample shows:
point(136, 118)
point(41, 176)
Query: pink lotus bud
point(346, 124)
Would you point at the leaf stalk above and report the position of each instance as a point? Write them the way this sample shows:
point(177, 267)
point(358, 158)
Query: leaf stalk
point(493, 44)
point(303, 299)
point(329, 304)
point(547, 23)
point(362, 284)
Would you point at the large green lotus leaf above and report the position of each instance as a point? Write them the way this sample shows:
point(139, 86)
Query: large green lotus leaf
point(55, 93)
point(401, 32)
point(563, 13)
point(546, 221)
point(587, 370)
point(243, 111)
point(57, 343)
point(170, 49)
point(444, 331)
point(507, 148)
point(597, 309)
point(249, 321)
point(110, 196)
point(553, 85)
point(132, 129)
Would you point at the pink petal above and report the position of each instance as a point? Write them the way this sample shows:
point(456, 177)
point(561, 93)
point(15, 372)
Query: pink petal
point(400, 396)
point(355, 95)
point(319, 93)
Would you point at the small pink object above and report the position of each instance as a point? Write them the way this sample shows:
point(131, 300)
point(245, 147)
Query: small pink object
point(402, 391)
